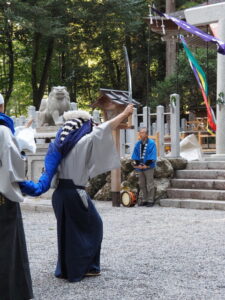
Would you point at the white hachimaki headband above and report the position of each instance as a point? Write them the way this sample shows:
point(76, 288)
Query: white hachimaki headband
point(74, 120)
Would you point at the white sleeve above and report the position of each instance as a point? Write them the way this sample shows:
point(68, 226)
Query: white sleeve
point(103, 155)
point(12, 166)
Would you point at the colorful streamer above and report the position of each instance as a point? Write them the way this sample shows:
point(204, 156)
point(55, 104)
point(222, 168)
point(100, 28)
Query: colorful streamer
point(202, 82)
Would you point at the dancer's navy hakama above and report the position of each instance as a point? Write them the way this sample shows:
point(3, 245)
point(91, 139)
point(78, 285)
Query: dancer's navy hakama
point(15, 279)
point(79, 231)
point(79, 226)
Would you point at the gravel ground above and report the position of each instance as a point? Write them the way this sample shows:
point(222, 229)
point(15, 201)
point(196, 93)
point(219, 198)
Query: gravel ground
point(147, 253)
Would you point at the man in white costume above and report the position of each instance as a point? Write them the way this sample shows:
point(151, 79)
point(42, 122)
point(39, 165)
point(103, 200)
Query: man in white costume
point(15, 279)
point(80, 228)
point(81, 151)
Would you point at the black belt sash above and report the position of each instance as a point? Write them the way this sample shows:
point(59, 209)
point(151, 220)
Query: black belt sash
point(68, 183)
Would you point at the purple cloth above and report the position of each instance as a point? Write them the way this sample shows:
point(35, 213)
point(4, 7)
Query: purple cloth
point(194, 30)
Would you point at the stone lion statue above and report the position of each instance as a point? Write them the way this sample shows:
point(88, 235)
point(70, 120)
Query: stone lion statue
point(51, 110)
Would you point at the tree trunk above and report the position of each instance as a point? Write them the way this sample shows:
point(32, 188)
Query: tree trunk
point(171, 48)
point(139, 68)
point(110, 66)
point(118, 74)
point(170, 45)
point(73, 92)
point(170, 6)
point(39, 87)
point(10, 54)
point(34, 80)
point(63, 67)
point(46, 69)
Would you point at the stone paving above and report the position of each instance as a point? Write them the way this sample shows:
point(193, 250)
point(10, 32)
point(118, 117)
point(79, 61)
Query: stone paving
point(147, 253)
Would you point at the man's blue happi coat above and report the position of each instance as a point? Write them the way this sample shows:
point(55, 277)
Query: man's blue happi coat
point(150, 154)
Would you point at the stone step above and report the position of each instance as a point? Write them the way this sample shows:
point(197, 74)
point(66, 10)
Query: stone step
point(199, 165)
point(217, 157)
point(200, 174)
point(196, 194)
point(192, 203)
point(198, 184)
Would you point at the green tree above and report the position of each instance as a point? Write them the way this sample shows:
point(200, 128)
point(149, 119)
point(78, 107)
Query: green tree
point(42, 23)
point(6, 53)
point(185, 84)
point(79, 44)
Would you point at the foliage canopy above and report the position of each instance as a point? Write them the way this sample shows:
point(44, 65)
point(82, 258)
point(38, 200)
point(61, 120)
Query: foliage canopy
point(79, 44)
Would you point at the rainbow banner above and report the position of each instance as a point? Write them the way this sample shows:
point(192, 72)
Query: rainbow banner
point(202, 82)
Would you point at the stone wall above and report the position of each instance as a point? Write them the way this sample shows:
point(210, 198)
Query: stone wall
point(100, 186)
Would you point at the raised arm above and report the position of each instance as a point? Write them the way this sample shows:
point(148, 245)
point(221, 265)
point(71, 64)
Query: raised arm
point(115, 122)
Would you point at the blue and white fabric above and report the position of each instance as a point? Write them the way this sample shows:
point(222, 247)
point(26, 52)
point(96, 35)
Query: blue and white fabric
point(7, 121)
point(149, 153)
point(66, 138)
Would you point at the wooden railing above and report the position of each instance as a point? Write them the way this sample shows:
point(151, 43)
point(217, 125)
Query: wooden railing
point(202, 136)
